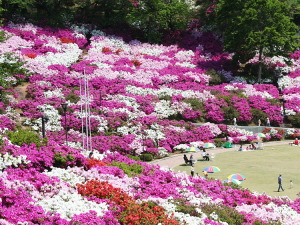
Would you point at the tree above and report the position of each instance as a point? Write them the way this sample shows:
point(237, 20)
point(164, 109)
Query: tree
point(251, 27)
point(155, 16)
point(103, 13)
point(20, 7)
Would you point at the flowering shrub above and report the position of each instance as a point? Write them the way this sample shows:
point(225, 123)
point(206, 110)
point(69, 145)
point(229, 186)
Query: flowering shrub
point(132, 213)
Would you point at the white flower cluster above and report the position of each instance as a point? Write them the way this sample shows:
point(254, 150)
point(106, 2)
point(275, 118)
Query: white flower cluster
point(284, 82)
point(12, 114)
point(251, 91)
point(155, 132)
point(54, 122)
point(55, 93)
point(162, 152)
point(129, 101)
point(65, 175)
point(126, 130)
point(230, 87)
point(11, 80)
point(75, 145)
point(69, 55)
point(214, 129)
point(182, 217)
point(241, 131)
point(286, 212)
point(80, 29)
point(163, 109)
point(177, 129)
point(181, 147)
point(165, 91)
point(7, 160)
point(289, 131)
point(186, 64)
point(184, 55)
point(97, 33)
point(272, 132)
point(4, 222)
point(96, 154)
point(68, 204)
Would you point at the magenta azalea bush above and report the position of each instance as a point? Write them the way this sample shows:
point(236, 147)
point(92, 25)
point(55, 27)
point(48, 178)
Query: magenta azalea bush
point(141, 98)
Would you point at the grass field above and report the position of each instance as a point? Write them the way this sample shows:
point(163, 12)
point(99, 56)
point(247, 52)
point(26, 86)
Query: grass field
point(261, 168)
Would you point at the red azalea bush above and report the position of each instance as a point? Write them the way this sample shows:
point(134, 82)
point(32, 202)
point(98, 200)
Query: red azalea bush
point(31, 55)
point(132, 213)
point(94, 163)
point(66, 40)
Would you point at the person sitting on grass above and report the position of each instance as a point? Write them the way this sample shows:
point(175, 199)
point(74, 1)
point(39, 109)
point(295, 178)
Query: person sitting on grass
point(295, 142)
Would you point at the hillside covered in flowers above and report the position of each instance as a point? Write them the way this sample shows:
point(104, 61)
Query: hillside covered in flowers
point(142, 98)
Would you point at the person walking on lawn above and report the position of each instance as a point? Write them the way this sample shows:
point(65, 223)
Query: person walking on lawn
point(280, 183)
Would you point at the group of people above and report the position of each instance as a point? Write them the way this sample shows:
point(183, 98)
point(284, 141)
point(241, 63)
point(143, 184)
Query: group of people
point(191, 161)
point(249, 147)
point(188, 161)
point(205, 156)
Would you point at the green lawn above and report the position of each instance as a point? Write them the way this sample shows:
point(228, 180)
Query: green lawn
point(261, 168)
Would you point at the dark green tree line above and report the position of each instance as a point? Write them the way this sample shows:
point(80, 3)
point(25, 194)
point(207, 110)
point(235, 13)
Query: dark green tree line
point(151, 17)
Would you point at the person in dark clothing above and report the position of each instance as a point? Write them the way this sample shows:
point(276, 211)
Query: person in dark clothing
point(280, 183)
point(186, 159)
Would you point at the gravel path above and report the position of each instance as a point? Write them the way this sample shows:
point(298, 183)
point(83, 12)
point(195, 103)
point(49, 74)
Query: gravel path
point(177, 159)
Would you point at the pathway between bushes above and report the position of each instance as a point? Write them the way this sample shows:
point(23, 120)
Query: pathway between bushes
point(177, 159)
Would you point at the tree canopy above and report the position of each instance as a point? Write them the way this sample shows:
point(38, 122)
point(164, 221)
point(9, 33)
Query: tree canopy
point(251, 27)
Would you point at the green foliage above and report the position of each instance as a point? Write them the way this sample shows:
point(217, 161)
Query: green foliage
point(183, 206)
point(103, 13)
point(1, 141)
point(232, 185)
point(219, 142)
point(229, 113)
point(165, 97)
point(72, 98)
point(256, 26)
point(215, 77)
point(17, 7)
point(136, 158)
point(130, 170)
point(249, 72)
point(2, 35)
point(295, 120)
point(9, 67)
point(146, 157)
point(61, 160)
point(225, 213)
point(155, 16)
point(195, 103)
point(22, 136)
point(273, 101)
point(258, 114)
